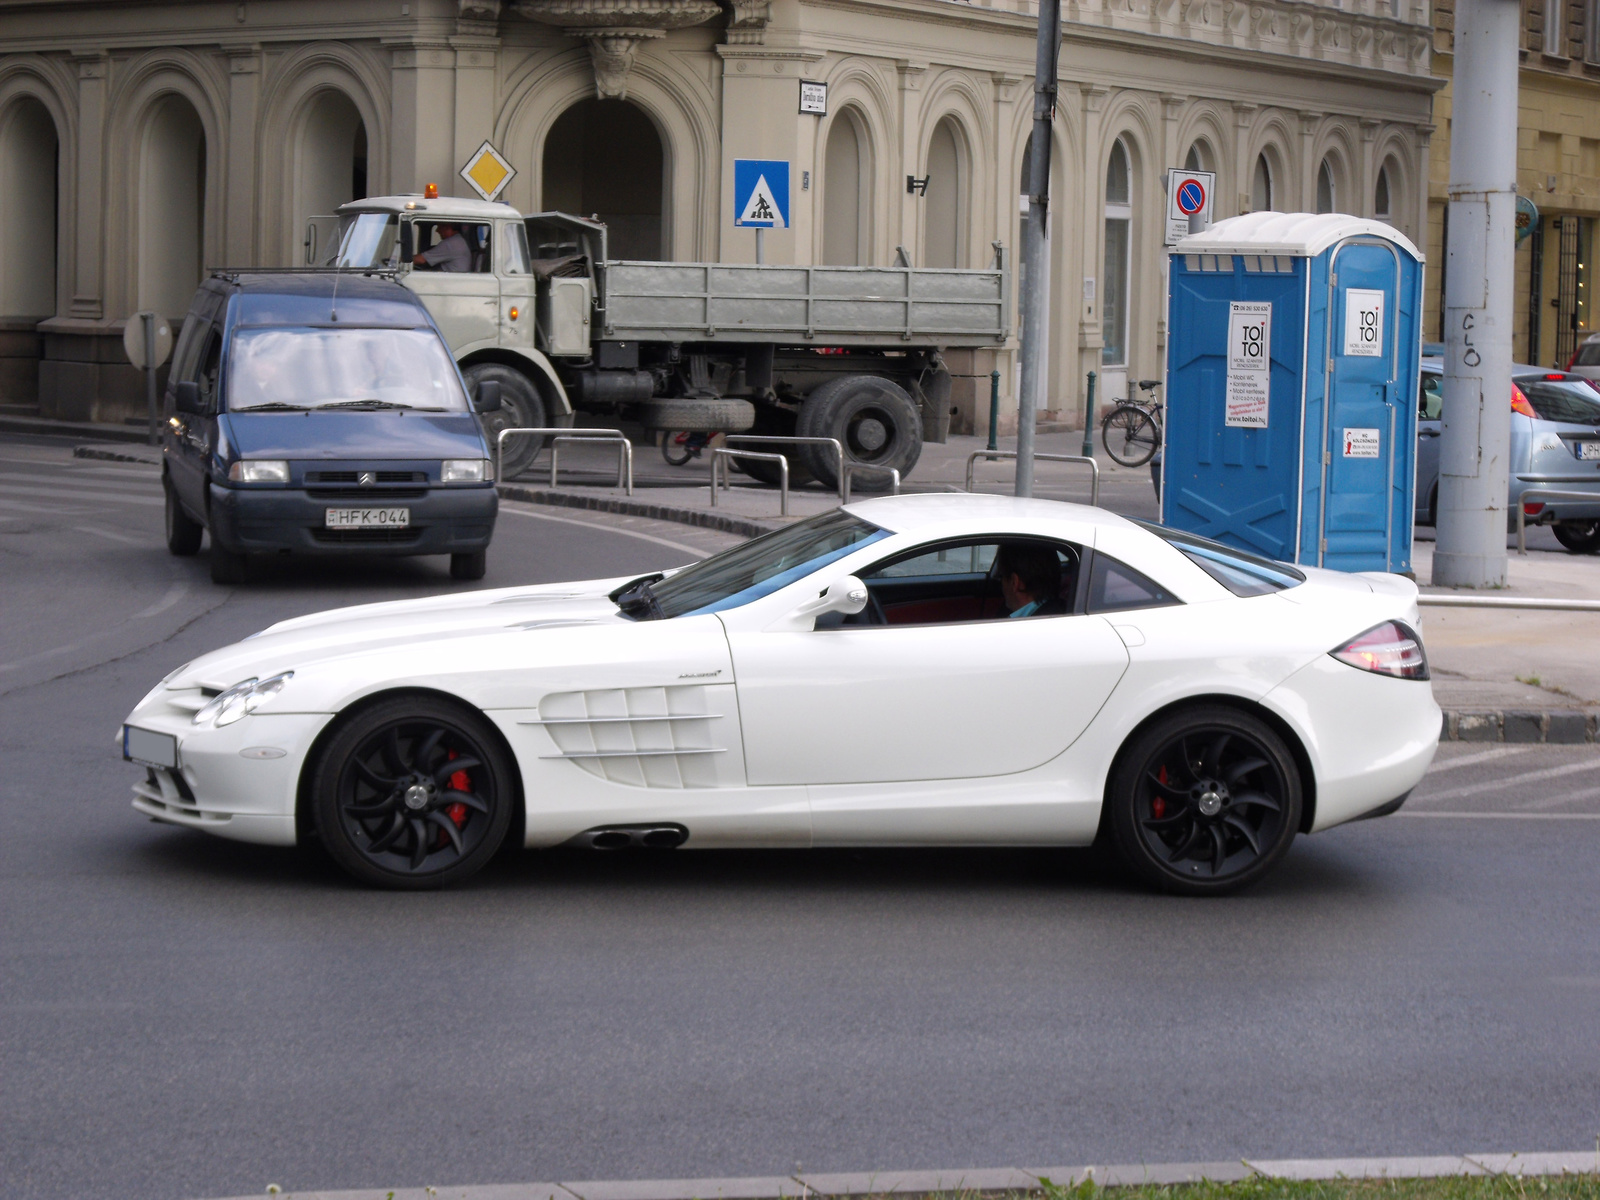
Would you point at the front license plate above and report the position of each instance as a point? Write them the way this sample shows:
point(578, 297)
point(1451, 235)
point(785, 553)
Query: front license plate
point(368, 518)
point(1589, 450)
point(149, 748)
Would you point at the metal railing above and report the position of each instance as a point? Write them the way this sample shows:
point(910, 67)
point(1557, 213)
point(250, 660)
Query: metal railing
point(559, 435)
point(1094, 467)
point(723, 455)
point(1544, 494)
point(1552, 603)
point(767, 439)
point(853, 469)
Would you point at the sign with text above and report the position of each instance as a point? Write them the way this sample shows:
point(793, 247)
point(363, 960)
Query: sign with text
point(761, 192)
point(1188, 195)
point(1361, 443)
point(1363, 322)
point(814, 97)
point(1249, 365)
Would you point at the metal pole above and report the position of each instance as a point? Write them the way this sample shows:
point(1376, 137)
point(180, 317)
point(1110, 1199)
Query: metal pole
point(1036, 248)
point(761, 245)
point(1088, 419)
point(994, 408)
point(150, 376)
point(1473, 452)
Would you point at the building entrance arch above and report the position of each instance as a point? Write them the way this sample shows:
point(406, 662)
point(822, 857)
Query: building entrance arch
point(605, 158)
point(29, 164)
point(172, 206)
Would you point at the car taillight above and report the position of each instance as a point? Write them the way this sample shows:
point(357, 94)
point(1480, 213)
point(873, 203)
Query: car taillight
point(1393, 648)
point(1532, 507)
point(1519, 403)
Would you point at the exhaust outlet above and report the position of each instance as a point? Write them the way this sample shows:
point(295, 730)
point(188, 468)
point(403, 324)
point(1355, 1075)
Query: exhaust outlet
point(633, 837)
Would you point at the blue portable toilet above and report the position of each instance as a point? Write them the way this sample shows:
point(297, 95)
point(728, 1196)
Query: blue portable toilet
point(1293, 343)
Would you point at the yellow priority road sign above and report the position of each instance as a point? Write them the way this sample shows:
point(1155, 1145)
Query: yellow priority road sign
point(488, 172)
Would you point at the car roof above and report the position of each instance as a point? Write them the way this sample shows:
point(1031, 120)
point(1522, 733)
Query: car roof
point(925, 512)
point(437, 209)
point(354, 284)
point(1436, 367)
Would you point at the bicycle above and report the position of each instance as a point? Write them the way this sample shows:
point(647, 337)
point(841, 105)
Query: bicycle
point(678, 447)
point(1131, 432)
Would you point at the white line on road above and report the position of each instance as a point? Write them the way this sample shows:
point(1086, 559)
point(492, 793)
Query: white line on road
point(1468, 760)
point(174, 593)
point(55, 510)
point(1505, 816)
point(1500, 785)
point(697, 551)
point(77, 493)
point(115, 537)
point(1588, 793)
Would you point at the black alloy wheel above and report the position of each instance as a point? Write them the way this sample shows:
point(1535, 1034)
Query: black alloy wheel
point(1205, 801)
point(1580, 537)
point(413, 793)
point(183, 534)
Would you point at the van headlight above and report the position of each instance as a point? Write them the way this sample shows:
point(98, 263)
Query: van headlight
point(241, 699)
point(259, 470)
point(464, 470)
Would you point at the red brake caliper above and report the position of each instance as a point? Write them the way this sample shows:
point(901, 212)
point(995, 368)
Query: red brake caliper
point(1158, 806)
point(459, 782)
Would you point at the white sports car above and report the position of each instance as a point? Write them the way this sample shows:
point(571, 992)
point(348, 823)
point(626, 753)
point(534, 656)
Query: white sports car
point(915, 670)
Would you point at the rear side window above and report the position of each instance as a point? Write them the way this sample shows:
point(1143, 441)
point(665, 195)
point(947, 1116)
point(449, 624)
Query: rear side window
point(1117, 587)
point(1589, 354)
point(1430, 401)
point(1242, 573)
point(1562, 400)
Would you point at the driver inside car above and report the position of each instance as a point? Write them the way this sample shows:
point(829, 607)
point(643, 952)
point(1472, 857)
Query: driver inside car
point(1030, 580)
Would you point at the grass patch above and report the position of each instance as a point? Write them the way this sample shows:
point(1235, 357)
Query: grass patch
point(1454, 1187)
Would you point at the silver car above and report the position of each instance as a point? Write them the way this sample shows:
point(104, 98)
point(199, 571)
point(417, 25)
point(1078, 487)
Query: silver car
point(1555, 443)
point(1585, 359)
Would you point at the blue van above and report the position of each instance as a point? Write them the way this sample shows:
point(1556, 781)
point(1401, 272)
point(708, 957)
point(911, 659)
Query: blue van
point(322, 413)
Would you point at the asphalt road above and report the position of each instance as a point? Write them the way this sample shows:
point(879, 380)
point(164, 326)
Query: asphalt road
point(184, 1017)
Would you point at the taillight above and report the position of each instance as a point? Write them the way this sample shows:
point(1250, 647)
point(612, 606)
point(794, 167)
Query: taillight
point(1532, 507)
point(1519, 403)
point(1393, 648)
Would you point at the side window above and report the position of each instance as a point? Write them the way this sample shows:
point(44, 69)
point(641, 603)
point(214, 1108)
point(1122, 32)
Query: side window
point(1117, 587)
point(971, 581)
point(1430, 401)
point(947, 560)
point(478, 240)
point(210, 363)
point(516, 240)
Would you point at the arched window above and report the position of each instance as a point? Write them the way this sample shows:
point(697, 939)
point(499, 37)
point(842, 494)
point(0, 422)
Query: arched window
point(28, 164)
point(944, 208)
point(1118, 238)
point(172, 206)
point(1199, 157)
point(605, 157)
point(1381, 203)
point(1326, 199)
point(846, 182)
point(1261, 189)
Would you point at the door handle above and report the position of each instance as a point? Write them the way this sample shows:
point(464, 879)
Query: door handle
point(1428, 433)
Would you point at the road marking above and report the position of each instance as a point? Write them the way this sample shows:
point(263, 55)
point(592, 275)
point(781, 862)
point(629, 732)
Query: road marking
point(174, 593)
point(1472, 759)
point(1588, 793)
point(77, 493)
point(56, 511)
point(1505, 816)
point(1496, 785)
point(697, 551)
point(106, 533)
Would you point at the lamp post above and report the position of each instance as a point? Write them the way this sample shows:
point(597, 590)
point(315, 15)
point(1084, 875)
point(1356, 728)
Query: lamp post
point(1036, 244)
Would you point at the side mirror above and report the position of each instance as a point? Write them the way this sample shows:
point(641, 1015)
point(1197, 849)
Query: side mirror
point(488, 398)
point(187, 397)
point(846, 597)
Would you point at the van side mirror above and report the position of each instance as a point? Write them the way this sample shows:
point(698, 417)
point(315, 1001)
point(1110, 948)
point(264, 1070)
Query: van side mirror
point(187, 396)
point(488, 398)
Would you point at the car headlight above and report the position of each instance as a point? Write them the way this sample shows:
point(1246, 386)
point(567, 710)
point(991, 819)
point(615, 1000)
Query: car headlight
point(259, 470)
point(464, 470)
point(242, 698)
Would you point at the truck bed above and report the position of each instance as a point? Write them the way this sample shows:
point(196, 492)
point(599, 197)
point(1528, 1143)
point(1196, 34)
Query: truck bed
point(826, 306)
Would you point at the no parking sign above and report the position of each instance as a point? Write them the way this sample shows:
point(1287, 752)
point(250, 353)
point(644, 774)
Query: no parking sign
point(1188, 195)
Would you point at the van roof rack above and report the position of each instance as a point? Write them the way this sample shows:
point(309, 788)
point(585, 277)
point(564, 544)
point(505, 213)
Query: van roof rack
point(232, 273)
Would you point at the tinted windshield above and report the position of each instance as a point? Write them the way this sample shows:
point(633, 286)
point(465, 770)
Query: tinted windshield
point(762, 566)
point(314, 368)
point(369, 240)
point(1242, 573)
point(1562, 400)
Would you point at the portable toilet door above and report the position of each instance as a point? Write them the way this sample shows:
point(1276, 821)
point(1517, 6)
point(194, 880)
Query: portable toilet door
point(1368, 429)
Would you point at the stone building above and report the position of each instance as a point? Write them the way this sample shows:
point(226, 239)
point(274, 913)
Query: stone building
point(1558, 169)
point(145, 140)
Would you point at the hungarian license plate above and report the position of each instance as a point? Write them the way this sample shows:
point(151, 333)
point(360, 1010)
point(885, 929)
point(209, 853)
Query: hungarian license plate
point(367, 518)
point(1589, 450)
point(149, 748)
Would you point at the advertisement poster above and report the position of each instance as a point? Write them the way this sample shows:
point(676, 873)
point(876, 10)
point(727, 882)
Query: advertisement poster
point(1363, 323)
point(1249, 365)
point(1361, 443)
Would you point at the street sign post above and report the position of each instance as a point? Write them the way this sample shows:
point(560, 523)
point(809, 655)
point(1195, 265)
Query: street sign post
point(147, 340)
point(1188, 203)
point(761, 197)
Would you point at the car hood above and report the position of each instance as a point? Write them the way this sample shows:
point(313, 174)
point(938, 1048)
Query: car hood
point(347, 435)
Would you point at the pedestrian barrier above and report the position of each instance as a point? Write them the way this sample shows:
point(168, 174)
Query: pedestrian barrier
point(765, 439)
point(559, 435)
point(853, 469)
point(1542, 494)
point(1094, 467)
point(723, 455)
point(1552, 603)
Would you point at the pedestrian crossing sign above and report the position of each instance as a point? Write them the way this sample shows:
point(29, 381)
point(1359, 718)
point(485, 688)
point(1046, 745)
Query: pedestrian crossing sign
point(488, 172)
point(761, 193)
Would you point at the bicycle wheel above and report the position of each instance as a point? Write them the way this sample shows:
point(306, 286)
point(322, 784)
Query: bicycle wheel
point(675, 448)
point(1129, 435)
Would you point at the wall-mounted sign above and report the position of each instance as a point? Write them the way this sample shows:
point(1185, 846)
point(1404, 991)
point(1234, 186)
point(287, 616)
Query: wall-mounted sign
point(1249, 393)
point(1527, 218)
point(813, 98)
point(488, 172)
point(1361, 443)
point(1188, 195)
point(1363, 322)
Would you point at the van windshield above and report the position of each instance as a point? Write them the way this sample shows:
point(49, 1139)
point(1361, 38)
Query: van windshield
point(297, 368)
point(369, 240)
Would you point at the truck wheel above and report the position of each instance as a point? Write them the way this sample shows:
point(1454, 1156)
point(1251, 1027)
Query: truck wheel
point(521, 407)
point(698, 415)
point(876, 422)
point(778, 423)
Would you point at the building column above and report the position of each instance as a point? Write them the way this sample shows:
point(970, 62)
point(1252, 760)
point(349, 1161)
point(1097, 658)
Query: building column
point(1244, 167)
point(909, 212)
point(422, 115)
point(1367, 171)
point(1091, 288)
point(1420, 232)
point(761, 119)
point(475, 107)
point(241, 240)
point(88, 233)
point(1307, 201)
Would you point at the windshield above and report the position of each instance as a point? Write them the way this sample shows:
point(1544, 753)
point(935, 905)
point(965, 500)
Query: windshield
point(369, 240)
point(748, 572)
point(296, 368)
point(1242, 573)
point(1565, 400)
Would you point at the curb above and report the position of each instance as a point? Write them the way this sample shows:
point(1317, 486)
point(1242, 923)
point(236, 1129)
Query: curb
point(1556, 726)
point(634, 508)
point(98, 452)
point(965, 1184)
point(77, 429)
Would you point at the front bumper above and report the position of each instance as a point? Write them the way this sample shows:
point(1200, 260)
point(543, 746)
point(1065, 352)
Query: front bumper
point(444, 520)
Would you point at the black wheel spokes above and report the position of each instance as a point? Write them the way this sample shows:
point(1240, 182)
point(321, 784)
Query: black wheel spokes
point(1214, 815)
